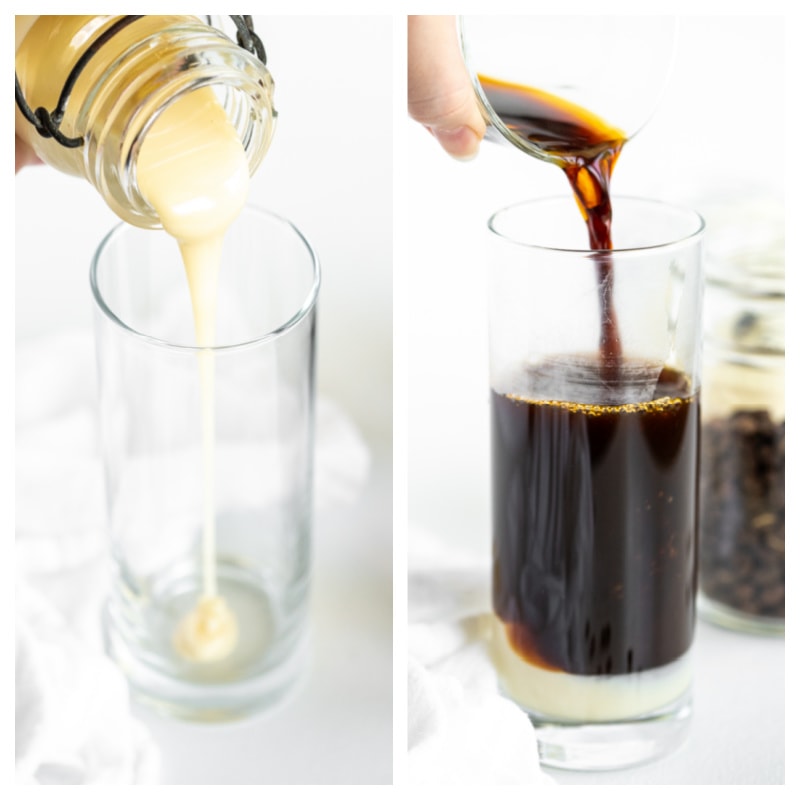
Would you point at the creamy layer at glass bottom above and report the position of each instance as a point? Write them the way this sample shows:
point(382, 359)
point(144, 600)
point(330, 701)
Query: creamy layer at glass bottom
point(585, 698)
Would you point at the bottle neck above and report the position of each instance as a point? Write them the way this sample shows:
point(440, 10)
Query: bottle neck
point(127, 84)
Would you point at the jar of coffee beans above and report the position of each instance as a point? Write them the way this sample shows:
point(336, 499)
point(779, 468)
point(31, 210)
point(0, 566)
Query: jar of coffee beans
point(742, 534)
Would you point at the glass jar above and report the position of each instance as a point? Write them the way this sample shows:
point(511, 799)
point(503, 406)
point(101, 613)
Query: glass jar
point(594, 477)
point(742, 544)
point(126, 81)
point(531, 89)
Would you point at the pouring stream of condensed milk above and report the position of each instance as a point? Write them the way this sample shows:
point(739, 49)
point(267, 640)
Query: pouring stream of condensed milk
point(192, 169)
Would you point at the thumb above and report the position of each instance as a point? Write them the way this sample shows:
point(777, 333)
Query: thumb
point(440, 94)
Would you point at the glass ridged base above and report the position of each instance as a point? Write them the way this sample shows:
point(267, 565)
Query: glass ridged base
point(597, 722)
point(263, 669)
point(602, 746)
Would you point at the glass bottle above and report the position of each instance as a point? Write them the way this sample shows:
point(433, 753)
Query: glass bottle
point(131, 73)
point(742, 544)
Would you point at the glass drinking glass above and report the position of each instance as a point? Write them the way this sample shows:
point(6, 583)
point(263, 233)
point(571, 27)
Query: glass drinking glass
point(595, 474)
point(208, 461)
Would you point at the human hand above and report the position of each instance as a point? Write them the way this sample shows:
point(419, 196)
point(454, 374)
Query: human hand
point(440, 94)
point(23, 155)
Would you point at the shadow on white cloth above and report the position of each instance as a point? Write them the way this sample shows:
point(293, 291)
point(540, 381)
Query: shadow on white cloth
point(73, 716)
point(460, 729)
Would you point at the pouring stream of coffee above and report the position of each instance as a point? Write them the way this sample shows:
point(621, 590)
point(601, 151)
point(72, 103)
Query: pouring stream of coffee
point(586, 148)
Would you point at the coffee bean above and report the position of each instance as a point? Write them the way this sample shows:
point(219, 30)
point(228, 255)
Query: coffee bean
point(742, 545)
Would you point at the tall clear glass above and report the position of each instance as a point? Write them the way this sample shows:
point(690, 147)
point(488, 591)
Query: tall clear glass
point(208, 461)
point(595, 473)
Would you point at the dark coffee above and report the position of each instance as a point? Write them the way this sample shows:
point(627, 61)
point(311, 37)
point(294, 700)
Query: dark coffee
point(586, 148)
point(595, 516)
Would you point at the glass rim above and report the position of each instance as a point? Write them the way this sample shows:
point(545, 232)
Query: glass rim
point(686, 239)
point(284, 328)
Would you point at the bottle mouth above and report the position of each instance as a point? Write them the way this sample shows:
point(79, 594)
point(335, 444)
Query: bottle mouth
point(156, 71)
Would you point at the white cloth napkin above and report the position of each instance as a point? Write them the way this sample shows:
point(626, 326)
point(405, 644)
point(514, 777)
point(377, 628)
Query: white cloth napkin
point(73, 716)
point(460, 729)
point(73, 723)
